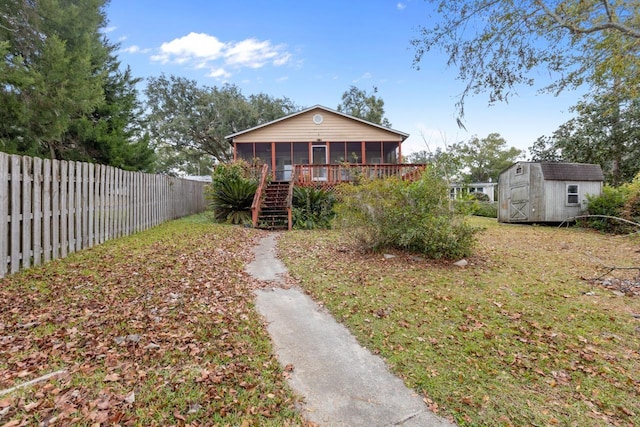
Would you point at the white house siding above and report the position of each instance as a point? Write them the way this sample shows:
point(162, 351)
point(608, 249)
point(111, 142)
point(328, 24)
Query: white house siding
point(334, 127)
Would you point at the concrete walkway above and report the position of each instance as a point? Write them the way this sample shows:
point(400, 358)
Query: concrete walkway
point(342, 383)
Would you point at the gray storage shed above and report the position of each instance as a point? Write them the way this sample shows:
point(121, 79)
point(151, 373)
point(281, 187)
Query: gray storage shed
point(532, 192)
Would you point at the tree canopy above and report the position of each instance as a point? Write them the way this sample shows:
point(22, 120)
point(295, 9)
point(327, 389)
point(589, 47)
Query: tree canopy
point(188, 121)
point(359, 103)
point(482, 159)
point(500, 44)
point(62, 94)
point(606, 131)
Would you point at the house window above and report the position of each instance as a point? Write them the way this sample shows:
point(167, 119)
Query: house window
point(519, 170)
point(573, 197)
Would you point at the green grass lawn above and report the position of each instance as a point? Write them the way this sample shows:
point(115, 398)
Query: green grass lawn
point(158, 328)
point(517, 337)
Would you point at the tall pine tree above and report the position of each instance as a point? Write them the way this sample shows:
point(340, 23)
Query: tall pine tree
point(62, 91)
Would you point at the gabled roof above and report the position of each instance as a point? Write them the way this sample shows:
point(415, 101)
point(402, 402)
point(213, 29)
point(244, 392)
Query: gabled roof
point(571, 172)
point(320, 107)
point(561, 171)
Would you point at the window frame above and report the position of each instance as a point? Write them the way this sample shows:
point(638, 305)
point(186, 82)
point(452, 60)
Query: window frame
point(572, 194)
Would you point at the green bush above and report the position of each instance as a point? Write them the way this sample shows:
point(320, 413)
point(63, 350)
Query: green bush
point(312, 208)
point(417, 217)
point(231, 192)
point(610, 203)
point(489, 210)
point(631, 209)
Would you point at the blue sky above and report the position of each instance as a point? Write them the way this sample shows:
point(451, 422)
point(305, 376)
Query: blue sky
point(312, 52)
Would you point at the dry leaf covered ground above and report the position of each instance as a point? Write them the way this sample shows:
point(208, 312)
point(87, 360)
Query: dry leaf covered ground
point(520, 336)
point(154, 329)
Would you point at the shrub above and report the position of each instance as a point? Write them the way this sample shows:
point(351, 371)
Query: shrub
point(610, 203)
point(231, 192)
point(234, 171)
point(312, 208)
point(489, 210)
point(631, 209)
point(417, 216)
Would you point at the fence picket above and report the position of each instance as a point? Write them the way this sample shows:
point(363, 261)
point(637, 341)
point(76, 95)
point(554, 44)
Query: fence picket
point(85, 206)
point(15, 213)
point(36, 212)
point(55, 210)
point(26, 212)
point(64, 208)
point(78, 206)
point(46, 210)
point(4, 213)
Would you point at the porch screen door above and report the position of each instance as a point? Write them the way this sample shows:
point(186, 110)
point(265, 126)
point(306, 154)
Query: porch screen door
point(319, 157)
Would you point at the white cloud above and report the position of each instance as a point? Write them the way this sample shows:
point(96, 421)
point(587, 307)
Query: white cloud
point(365, 76)
point(108, 30)
point(401, 6)
point(282, 79)
point(190, 47)
point(132, 49)
point(255, 54)
point(203, 51)
point(219, 73)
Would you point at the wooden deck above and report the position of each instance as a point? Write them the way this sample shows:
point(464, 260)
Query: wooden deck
point(330, 175)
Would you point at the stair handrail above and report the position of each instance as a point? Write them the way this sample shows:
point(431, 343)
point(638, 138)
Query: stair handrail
point(256, 206)
point(290, 205)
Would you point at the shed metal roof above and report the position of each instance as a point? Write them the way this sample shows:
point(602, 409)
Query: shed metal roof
point(571, 172)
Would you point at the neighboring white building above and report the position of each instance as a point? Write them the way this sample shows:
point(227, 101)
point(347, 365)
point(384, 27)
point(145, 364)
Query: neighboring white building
point(489, 188)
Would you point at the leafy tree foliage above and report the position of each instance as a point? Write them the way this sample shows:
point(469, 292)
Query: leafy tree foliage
point(62, 94)
point(499, 44)
point(188, 119)
point(606, 131)
point(358, 103)
point(445, 161)
point(482, 160)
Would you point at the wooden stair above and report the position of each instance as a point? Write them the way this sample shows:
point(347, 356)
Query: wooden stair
point(274, 214)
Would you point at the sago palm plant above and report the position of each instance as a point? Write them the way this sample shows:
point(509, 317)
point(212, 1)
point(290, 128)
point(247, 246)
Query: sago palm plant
point(231, 200)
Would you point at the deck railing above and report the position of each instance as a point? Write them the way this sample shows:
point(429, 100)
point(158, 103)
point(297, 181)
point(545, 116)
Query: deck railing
point(290, 205)
point(335, 174)
point(257, 199)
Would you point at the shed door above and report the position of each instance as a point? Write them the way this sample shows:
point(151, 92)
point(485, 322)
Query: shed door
point(519, 203)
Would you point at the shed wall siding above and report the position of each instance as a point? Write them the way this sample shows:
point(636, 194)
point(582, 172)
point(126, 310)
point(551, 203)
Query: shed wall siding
point(537, 192)
point(556, 195)
point(333, 128)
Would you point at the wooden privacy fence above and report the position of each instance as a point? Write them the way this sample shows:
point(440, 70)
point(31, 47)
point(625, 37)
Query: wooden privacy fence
point(50, 208)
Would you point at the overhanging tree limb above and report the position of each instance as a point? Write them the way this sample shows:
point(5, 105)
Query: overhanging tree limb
point(611, 24)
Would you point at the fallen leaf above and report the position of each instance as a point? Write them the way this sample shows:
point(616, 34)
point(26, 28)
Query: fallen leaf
point(178, 416)
point(112, 377)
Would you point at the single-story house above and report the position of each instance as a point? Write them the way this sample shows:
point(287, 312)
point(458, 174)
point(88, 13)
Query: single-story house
point(319, 145)
point(457, 190)
point(537, 192)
